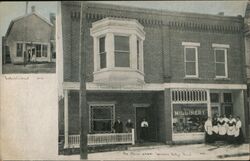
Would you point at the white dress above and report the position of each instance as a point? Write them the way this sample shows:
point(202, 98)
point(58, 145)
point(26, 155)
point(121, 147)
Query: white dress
point(222, 126)
point(237, 128)
point(231, 127)
point(208, 127)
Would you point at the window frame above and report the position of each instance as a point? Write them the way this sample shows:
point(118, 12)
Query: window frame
point(192, 46)
point(225, 62)
point(98, 105)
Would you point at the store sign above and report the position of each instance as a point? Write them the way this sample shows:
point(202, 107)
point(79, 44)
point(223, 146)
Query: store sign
point(188, 118)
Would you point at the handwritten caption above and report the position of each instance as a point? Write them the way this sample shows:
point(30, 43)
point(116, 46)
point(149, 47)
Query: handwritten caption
point(173, 154)
point(21, 78)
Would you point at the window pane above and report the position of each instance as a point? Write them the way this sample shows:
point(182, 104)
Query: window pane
point(38, 50)
point(102, 44)
point(19, 50)
point(190, 54)
point(214, 111)
point(227, 97)
point(220, 57)
point(103, 60)
point(214, 97)
point(122, 43)
point(220, 69)
point(102, 126)
point(101, 113)
point(190, 68)
point(189, 118)
point(45, 50)
point(122, 59)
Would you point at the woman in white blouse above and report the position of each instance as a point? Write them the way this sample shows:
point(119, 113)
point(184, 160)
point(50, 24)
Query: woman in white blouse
point(239, 138)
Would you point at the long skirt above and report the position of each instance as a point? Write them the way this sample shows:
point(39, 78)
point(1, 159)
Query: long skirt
point(144, 133)
point(240, 138)
point(209, 138)
point(230, 139)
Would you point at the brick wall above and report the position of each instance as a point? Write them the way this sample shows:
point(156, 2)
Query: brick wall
point(163, 52)
point(123, 108)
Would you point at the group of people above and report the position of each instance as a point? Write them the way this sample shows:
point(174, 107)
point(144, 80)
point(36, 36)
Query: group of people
point(118, 128)
point(223, 129)
point(29, 57)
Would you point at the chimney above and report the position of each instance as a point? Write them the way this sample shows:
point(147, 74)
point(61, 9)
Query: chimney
point(33, 8)
point(221, 13)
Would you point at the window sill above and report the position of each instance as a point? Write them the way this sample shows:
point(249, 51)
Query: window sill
point(192, 78)
point(223, 79)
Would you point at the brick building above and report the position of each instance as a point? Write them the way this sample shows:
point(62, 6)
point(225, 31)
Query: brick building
point(174, 69)
point(32, 34)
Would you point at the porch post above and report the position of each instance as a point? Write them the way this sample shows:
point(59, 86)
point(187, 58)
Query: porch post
point(66, 119)
point(133, 136)
point(208, 104)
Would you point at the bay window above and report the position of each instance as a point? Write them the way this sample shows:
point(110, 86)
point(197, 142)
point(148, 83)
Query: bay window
point(118, 50)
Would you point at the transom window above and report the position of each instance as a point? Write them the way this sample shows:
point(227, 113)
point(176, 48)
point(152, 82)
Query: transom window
point(19, 50)
point(122, 57)
point(191, 59)
point(220, 62)
point(101, 118)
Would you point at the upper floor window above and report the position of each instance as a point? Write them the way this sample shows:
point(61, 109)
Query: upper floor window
point(102, 52)
point(220, 57)
point(19, 50)
point(191, 59)
point(122, 57)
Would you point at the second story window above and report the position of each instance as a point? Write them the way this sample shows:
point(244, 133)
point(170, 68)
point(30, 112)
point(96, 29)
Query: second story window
point(220, 57)
point(122, 57)
point(191, 59)
point(102, 53)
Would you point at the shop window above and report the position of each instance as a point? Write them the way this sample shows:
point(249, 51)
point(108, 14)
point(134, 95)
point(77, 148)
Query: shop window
point(122, 51)
point(215, 97)
point(101, 118)
point(38, 50)
point(227, 97)
point(45, 51)
point(19, 50)
point(189, 118)
point(102, 53)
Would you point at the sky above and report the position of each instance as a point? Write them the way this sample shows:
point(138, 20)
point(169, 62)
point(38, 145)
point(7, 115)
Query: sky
point(12, 10)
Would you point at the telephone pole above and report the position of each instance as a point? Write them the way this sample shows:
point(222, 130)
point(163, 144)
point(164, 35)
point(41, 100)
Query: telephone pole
point(83, 108)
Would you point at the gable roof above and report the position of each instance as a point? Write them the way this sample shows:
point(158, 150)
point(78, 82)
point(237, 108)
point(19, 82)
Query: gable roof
point(27, 15)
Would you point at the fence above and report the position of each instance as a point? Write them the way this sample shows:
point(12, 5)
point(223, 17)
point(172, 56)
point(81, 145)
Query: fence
point(103, 139)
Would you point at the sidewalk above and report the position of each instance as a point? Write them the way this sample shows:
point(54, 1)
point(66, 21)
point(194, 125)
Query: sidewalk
point(176, 152)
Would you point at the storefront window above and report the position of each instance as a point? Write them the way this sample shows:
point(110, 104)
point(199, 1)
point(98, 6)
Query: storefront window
point(189, 118)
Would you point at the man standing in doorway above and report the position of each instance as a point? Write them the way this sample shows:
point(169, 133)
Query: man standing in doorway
point(144, 130)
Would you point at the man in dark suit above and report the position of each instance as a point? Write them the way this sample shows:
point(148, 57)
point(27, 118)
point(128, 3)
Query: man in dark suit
point(118, 126)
